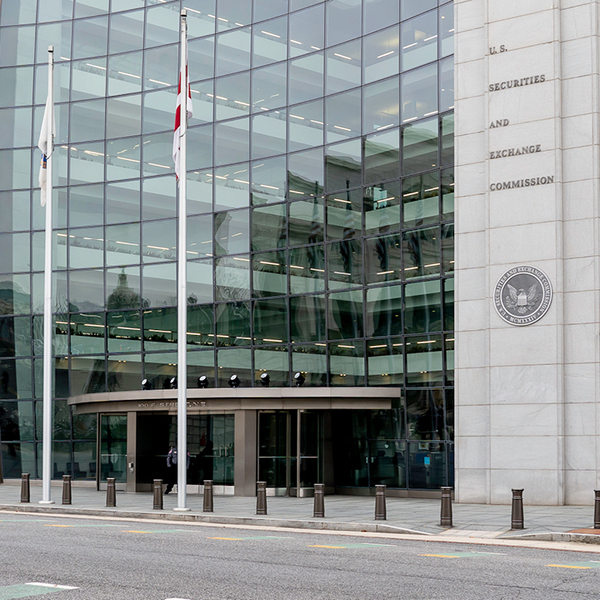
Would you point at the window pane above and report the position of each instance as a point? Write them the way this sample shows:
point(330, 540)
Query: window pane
point(86, 290)
point(268, 134)
point(342, 114)
point(269, 88)
point(232, 187)
point(381, 54)
point(16, 46)
point(307, 269)
point(347, 364)
point(160, 330)
point(307, 218)
point(233, 325)
point(307, 316)
point(420, 146)
point(87, 120)
point(269, 274)
point(126, 32)
point(124, 331)
point(383, 259)
point(420, 198)
point(234, 361)
point(382, 207)
point(270, 40)
point(269, 227)
point(159, 284)
point(421, 252)
point(233, 51)
point(305, 173)
point(346, 315)
point(123, 288)
point(343, 67)
point(419, 93)
point(410, 8)
point(125, 74)
point(385, 364)
point(200, 282)
point(344, 262)
point(382, 154)
point(422, 307)
point(90, 37)
point(306, 30)
point(268, 180)
point(419, 41)
point(231, 232)
point(232, 141)
point(306, 78)
point(306, 126)
point(232, 96)
point(201, 58)
point(158, 197)
point(232, 278)
point(88, 333)
point(384, 311)
point(380, 13)
point(424, 361)
point(381, 105)
point(446, 84)
point(270, 321)
point(17, 86)
point(86, 248)
point(343, 20)
point(159, 241)
point(123, 115)
point(276, 362)
point(162, 25)
point(311, 361)
point(446, 29)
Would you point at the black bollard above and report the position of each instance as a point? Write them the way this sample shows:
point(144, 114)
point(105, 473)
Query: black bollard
point(207, 505)
point(25, 496)
point(319, 507)
point(517, 521)
point(261, 497)
point(111, 496)
point(446, 509)
point(157, 503)
point(380, 508)
point(597, 510)
point(66, 498)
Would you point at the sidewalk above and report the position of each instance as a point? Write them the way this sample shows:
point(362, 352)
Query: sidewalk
point(342, 513)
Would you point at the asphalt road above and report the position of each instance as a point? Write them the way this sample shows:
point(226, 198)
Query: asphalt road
point(128, 560)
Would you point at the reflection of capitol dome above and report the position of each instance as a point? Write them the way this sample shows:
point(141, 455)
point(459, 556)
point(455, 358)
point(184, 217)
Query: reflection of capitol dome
point(123, 296)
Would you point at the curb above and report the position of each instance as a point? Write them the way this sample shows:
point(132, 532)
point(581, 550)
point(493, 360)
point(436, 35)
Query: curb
point(215, 519)
point(556, 536)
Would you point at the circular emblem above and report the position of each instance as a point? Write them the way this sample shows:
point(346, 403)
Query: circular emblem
point(523, 295)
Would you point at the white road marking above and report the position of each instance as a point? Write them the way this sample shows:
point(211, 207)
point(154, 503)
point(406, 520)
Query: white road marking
point(53, 585)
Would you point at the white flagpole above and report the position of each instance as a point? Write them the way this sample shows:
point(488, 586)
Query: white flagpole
point(47, 386)
point(182, 281)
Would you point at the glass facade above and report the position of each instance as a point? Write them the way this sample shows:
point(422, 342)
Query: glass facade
point(320, 213)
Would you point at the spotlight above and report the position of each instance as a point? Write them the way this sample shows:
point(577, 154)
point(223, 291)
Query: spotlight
point(265, 379)
point(298, 379)
point(203, 381)
point(146, 385)
point(173, 383)
point(234, 381)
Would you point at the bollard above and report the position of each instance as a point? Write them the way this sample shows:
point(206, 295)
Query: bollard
point(157, 503)
point(380, 509)
point(207, 505)
point(111, 496)
point(319, 508)
point(261, 497)
point(25, 487)
point(446, 510)
point(597, 510)
point(66, 499)
point(517, 520)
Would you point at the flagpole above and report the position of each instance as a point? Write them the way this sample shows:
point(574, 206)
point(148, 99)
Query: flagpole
point(182, 281)
point(47, 385)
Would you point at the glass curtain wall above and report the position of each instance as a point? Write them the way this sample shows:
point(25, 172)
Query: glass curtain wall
point(320, 211)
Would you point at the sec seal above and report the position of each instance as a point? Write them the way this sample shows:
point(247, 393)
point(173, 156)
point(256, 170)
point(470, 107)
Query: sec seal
point(523, 295)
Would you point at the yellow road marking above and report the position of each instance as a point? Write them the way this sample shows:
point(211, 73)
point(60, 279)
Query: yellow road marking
point(441, 555)
point(568, 567)
point(59, 525)
point(134, 531)
point(319, 546)
point(223, 538)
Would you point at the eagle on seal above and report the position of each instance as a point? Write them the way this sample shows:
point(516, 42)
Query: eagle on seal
point(521, 301)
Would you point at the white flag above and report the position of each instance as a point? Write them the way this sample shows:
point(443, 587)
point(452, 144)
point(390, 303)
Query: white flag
point(177, 133)
point(43, 146)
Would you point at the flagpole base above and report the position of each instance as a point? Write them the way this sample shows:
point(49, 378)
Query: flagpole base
point(46, 502)
point(182, 509)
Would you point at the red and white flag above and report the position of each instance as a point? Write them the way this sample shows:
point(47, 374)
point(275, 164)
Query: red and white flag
point(177, 134)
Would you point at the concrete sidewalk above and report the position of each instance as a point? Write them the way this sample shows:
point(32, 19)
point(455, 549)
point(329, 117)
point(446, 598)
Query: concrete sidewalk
point(342, 513)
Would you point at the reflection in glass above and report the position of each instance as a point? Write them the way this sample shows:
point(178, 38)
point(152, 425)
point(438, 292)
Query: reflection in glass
point(381, 159)
point(419, 93)
point(420, 199)
point(307, 218)
point(232, 186)
point(124, 331)
point(269, 274)
point(232, 278)
point(122, 201)
point(232, 232)
point(86, 290)
point(159, 284)
point(384, 362)
point(307, 269)
point(423, 311)
point(420, 146)
point(343, 67)
point(269, 227)
point(268, 134)
point(233, 325)
point(419, 41)
point(307, 318)
point(421, 252)
point(305, 173)
point(123, 287)
point(345, 315)
point(160, 329)
point(347, 363)
point(268, 180)
point(275, 361)
point(311, 361)
point(383, 259)
point(270, 321)
point(306, 78)
point(381, 54)
point(234, 361)
point(381, 105)
point(306, 126)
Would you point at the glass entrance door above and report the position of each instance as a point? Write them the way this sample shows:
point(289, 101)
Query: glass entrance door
point(113, 448)
point(290, 451)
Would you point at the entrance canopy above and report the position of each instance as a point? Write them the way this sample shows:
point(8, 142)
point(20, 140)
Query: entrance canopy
point(375, 398)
